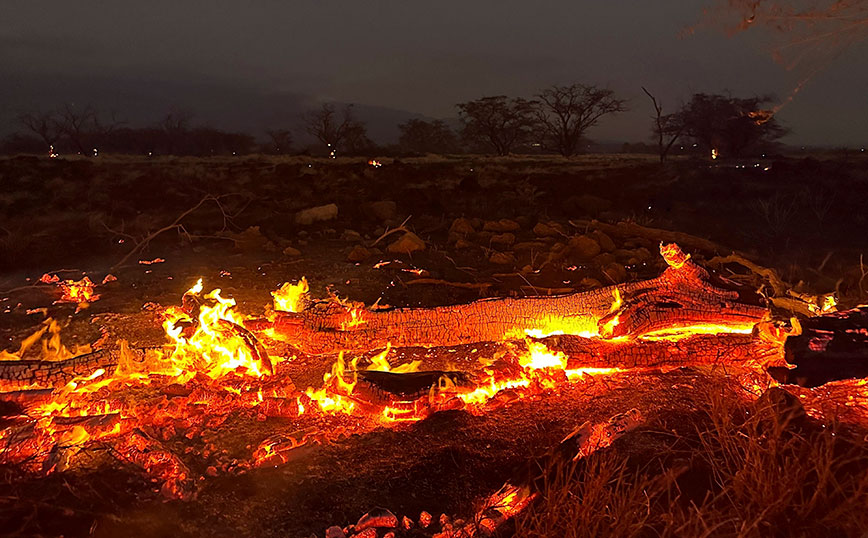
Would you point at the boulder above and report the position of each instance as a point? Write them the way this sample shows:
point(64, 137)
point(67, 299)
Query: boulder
point(308, 216)
point(291, 252)
point(500, 226)
point(614, 272)
point(406, 244)
point(604, 240)
point(462, 227)
point(504, 239)
point(358, 254)
point(383, 210)
point(585, 247)
point(551, 229)
point(502, 258)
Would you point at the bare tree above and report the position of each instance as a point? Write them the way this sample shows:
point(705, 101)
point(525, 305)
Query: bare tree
point(175, 126)
point(78, 125)
point(334, 130)
point(667, 127)
point(564, 113)
point(280, 140)
point(498, 122)
point(42, 124)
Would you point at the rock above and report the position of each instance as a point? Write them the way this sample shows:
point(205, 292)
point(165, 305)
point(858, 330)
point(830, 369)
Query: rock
point(291, 252)
point(642, 254)
point(351, 236)
point(622, 255)
point(590, 282)
point(250, 239)
point(538, 246)
point(502, 258)
point(316, 214)
point(335, 532)
point(407, 523)
point(557, 247)
point(615, 272)
point(358, 254)
point(584, 247)
point(500, 226)
point(551, 229)
point(406, 244)
point(604, 240)
point(370, 532)
point(383, 210)
point(463, 243)
point(378, 518)
point(461, 226)
point(504, 239)
point(604, 259)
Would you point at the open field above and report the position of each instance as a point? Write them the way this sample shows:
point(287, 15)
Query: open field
point(708, 458)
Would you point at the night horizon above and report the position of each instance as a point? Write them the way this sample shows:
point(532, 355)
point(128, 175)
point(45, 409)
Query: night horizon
point(409, 61)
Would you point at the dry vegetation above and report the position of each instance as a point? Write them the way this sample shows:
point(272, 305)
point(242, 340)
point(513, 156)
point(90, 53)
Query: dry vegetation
point(736, 470)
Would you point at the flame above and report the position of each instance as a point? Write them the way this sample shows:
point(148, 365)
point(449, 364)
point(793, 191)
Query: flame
point(375, 163)
point(291, 297)
point(714, 154)
point(212, 348)
point(540, 356)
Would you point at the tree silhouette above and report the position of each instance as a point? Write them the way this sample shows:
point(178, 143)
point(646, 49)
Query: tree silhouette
point(729, 125)
point(668, 128)
point(42, 124)
point(564, 113)
point(280, 141)
point(419, 136)
point(498, 122)
point(335, 131)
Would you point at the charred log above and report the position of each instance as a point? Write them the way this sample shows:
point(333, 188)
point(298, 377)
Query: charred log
point(685, 295)
point(830, 347)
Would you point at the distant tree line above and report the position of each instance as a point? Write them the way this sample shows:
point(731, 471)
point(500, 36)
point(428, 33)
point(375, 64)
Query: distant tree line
point(555, 121)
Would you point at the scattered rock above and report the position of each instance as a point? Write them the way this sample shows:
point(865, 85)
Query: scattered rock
point(530, 245)
point(463, 243)
point(461, 226)
point(604, 240)
point(504, 239)
point(358, 254)
point(351, 236)
point(604, 259)
point(335, 532)
point(316, 214)
point(406, 244)
point(500, 226)
point(552, 229)
point(249, 240)
point(614, 272)
point(502, 258)
point(590, 282)
point(383, 210)
point(378, 518)
point(291, 252)
point(584, 247)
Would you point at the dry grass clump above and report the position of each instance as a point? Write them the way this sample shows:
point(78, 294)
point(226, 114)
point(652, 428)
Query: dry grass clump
point(733, 471)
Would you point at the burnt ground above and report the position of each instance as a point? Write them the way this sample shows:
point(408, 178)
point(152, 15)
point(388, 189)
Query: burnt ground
point(802, 216)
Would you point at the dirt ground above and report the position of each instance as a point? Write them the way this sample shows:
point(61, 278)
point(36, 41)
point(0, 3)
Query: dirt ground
point(801, 216)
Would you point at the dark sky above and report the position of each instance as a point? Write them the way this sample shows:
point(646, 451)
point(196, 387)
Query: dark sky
point(247, 65)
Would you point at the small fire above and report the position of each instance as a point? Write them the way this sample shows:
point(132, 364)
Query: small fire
point(375, 163)
point(291, 297)
point(714, 154)
point(74, 291)
point(540, 356)
point(209, 338)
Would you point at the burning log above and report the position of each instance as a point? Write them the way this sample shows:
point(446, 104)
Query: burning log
point(692, 350)
point(21, 374)
point(683, 297)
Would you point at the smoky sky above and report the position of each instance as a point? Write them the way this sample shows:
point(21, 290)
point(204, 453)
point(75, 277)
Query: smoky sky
point(221, 60)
